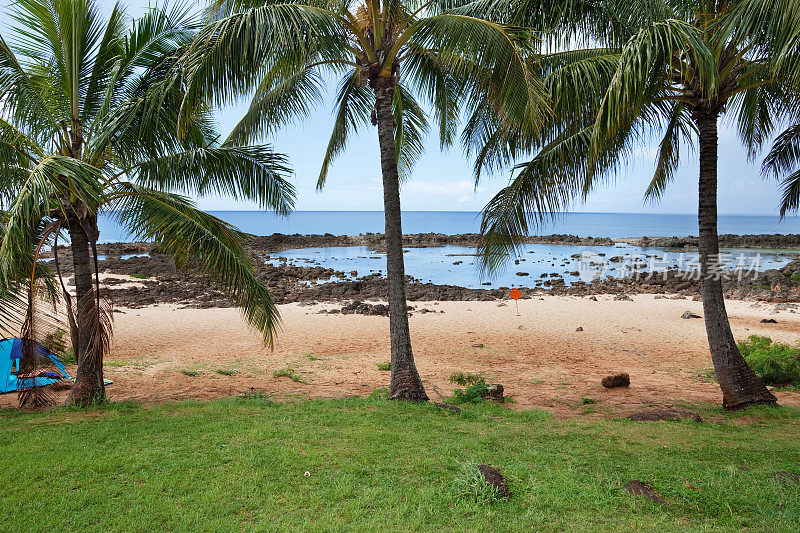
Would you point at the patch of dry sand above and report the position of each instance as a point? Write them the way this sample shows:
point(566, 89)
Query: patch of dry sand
point(539, 357)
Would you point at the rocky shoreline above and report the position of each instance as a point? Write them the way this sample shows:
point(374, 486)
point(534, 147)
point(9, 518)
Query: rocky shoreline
point(156, 280)
point(761, 242)
point(377, 241)
point(278, 242)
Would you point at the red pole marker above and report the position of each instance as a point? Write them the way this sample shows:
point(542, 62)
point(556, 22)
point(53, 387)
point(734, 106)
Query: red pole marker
point(516, 294)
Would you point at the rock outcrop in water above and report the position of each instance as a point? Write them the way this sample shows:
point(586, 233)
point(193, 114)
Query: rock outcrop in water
point(764, 241)
point(376, 241)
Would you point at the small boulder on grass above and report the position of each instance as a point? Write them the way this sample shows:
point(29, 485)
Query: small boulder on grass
point(616, 380)
point(496, 480)
point(494, 393)
point(481, 484)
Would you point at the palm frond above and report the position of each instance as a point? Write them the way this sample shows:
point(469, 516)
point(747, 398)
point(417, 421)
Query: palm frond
point(669, 151)
point(230, 54)
point(493, 56)
point(785, 153)
point(254, 173)
point(200, 241)
point(642, 64)
point(410, 131)
point(790, 197)
point(355, 104)
point(423, 73)
point(278, 101)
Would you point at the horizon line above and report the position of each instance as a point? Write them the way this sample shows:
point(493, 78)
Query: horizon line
point(478, 212)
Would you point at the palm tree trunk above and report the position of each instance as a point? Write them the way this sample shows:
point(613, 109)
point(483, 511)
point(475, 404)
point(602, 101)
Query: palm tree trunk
point(88, 386)
point(740, 385)
point(405, 381)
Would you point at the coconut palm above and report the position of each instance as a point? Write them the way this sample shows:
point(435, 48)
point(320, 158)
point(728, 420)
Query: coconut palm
point(624, 72)
point(391, 57)
point(89, 126)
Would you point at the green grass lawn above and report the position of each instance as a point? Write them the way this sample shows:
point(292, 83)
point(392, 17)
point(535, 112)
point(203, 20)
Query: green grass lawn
point(239, 464)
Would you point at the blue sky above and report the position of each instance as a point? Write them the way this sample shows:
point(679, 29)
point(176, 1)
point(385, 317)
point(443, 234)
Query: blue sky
point(444, 180)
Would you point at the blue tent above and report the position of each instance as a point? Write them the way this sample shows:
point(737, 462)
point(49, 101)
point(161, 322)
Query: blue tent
point(10, 359)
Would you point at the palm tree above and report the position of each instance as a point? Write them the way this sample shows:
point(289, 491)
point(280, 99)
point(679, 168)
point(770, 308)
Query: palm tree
point(390, 56)
point(627, 71)
point(90, 125)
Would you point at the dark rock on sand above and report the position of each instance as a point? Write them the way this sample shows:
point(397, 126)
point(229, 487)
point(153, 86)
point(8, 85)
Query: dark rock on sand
point(688, 314)
point(494, 393)
point(768, 321)
point(616, 380)
point(495, 479)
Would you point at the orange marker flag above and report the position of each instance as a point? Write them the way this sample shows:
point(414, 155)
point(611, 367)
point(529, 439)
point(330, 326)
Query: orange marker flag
point(516, 294)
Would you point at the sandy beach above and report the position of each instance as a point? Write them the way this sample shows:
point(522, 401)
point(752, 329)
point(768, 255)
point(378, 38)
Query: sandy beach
point(539, 357)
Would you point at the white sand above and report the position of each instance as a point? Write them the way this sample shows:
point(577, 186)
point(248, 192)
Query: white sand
point(539, 357)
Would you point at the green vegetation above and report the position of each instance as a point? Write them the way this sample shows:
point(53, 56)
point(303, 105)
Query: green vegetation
point(238, 464)
point(775, 363)
point(475, 391)
point(288, 373)
point(227, 371)
point(139, 276)
point(191, 372)
point(466, 378)
point(56, 342)
point(384, 366)
point(471, 484)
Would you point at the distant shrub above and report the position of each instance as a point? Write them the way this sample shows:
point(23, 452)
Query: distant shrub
point(475, 389)
point(191, 372)
point(775, 363)
point(471, 484)
point(227, 371)
point(288, 373)
point(257, 394)
point(472, 394)
point(384, 366)
point(466, 378)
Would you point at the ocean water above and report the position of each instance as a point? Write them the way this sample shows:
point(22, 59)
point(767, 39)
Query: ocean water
point(458, 265)
point(612, 225)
